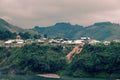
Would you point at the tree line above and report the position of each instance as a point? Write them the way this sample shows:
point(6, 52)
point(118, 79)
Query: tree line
point(94, 61)
point(5, 35)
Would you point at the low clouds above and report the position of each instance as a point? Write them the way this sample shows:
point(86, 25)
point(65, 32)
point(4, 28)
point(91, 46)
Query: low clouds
point(28, 13)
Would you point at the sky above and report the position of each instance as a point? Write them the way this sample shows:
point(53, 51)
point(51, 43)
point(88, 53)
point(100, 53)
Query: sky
point(30, 13)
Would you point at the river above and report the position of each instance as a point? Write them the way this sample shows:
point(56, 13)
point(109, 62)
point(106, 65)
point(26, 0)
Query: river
point(28, 77)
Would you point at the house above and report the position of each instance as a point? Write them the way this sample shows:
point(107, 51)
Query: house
point(93, 42)
point(29, 41)
point(40, 41)
point(19, 42)
point(54, 41)
point(116, 40)
point(67, 42)
point(78, 42)
point(9, 43)
point(106, 42)
point(85, 39)
point(14, 43)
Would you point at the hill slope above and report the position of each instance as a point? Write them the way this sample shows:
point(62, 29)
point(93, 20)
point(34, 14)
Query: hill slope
point(6, 26)
point(100, 31)
point(9, 31)
point(103, 31)
point(60, 30)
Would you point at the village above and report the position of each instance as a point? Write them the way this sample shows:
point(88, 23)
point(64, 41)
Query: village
point(19, 42)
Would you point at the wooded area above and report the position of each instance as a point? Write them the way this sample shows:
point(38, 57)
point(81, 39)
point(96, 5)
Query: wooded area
point(94, 61)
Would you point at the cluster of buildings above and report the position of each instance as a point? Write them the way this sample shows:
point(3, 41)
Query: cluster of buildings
point(18, 42)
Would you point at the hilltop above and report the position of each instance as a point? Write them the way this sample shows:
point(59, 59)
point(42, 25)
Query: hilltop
point(65, 30)
point(99, 30)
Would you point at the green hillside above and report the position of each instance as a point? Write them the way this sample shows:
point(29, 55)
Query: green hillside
point(6, 26)
point(60, 30)
point(9, 31)
point(100, 31)
point(103, 31)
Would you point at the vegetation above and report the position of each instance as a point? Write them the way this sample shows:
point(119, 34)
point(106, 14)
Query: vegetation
point(99, 31)
point(6, 26)
point(97, 61)
point(34, 58)
point(94, 61)
point(27, 35)
point(64, 30)
point(4, 35)
point(9, 31)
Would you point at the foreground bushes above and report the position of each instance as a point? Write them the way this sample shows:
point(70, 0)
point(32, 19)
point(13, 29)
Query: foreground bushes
point(36, 57)
point(97, 61)
point(94, 61)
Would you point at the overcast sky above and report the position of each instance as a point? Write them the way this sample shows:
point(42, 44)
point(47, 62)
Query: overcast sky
point(29, 13)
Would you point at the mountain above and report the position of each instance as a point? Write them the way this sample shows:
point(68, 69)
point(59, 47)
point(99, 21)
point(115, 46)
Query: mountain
point(99, 31)
point(9, 31)
point(60, 30)
point(6, 26)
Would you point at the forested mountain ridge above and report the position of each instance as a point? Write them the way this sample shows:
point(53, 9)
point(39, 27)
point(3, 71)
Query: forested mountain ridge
point(65, 30)
point(99, 31)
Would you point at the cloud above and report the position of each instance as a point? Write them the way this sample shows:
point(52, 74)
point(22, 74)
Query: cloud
point(28, 13)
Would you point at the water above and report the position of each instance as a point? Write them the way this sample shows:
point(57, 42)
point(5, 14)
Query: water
point(23, 77)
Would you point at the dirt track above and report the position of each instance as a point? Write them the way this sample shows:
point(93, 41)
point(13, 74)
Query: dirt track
point(76, 50)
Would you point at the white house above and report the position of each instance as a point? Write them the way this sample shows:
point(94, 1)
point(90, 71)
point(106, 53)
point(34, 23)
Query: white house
point(19, 41)
point(9, 43)
point(93, 42)
point(14, 42)
point(106, 42)
point(78, 42)
point(67, 42)
point(40, 41)
point(85, 38)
